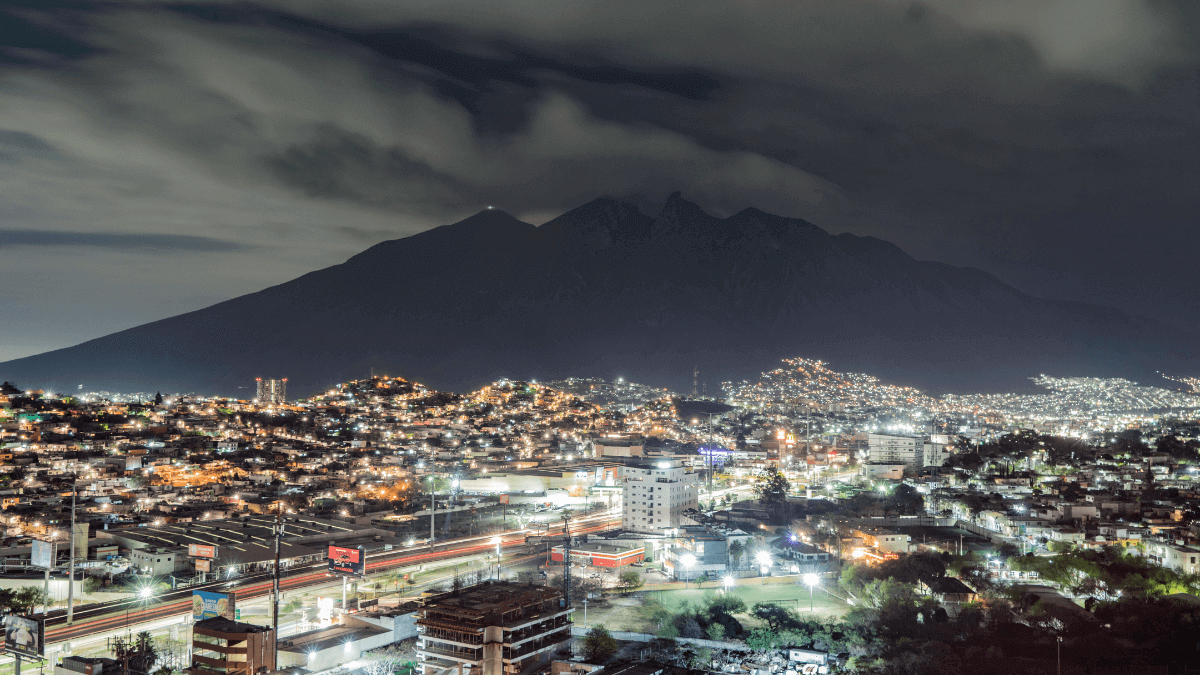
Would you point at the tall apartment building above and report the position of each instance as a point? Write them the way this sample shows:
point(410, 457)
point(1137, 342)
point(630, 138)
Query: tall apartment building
point(914, 451)
point(656, 493)
point(272, 392)
point(493, 628)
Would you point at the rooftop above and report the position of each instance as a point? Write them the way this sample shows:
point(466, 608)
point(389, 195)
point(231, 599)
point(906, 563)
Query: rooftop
point(493, 603)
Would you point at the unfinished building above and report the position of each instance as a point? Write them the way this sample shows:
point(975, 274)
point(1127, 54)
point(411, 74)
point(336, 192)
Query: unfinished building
point(493, 628)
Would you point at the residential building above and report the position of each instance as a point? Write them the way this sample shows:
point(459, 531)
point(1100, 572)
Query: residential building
point(656, 495)
point(912, 451)
point(493, 628)
point(271, 392)
point(1174, 555)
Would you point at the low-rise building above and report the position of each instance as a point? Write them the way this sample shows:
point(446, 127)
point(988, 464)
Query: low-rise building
point(493, 628)
point(224, 647)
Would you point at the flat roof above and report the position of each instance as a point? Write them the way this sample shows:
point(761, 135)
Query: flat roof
point(602, 548)
point(325, 638)
point(248, 539)
point(492, 603)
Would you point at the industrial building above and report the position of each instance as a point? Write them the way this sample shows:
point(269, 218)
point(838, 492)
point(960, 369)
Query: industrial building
point(241, 544)
point(494, 628)
point(600, 555)
point(581, 475)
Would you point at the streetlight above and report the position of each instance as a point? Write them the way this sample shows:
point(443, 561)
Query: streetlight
point(496, 541)
point(764, 563)
point(144, 594)
point(687, 560)
point(812, 580)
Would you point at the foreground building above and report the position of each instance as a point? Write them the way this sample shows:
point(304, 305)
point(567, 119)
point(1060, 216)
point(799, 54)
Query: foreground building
point(657, 492)
point(494, 628)
point(224, 647)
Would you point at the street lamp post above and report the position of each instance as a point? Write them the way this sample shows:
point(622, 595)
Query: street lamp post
point(687, 561)
point(764, 563)
point(812, 580)
point(496, 541)
point(143, 597)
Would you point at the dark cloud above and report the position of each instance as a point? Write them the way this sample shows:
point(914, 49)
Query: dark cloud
point(1049, 141)
point(122, 242)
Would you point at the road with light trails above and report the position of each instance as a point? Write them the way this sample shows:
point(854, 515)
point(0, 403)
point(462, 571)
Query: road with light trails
point(93, 619)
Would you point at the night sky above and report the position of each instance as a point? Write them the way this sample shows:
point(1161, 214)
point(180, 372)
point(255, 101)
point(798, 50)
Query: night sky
point(158, 157)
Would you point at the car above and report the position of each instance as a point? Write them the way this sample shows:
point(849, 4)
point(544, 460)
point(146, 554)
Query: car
point(637, 564)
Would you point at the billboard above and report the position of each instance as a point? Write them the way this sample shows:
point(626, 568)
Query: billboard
point(204, 565)
point(202, 551)
point(346, 561)
point(206, 605)
point(43, 554)
point(24, 636)
point(503, 499)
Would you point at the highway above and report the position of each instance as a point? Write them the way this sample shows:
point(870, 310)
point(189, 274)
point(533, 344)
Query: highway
point(90, 619)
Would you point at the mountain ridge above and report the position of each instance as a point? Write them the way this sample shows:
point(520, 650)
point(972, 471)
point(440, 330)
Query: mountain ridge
point(605, 289)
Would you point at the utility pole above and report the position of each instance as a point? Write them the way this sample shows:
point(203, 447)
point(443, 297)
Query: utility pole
point(275, 589)
point(71, 563)
point(710, 456)
point(566, 560)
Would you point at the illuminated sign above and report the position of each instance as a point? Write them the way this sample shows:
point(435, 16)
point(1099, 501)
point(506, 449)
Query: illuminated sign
point(204, 565)
point(346, 561)
point(202, 551)
point(206, 605)
point(24, 636)
point(43, 554)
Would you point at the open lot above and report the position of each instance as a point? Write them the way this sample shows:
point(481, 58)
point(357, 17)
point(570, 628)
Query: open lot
point(629, 614)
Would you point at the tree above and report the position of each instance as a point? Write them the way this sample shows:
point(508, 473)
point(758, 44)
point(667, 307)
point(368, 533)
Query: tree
point(736, 549)
point(91, 584)
point(630, 580)
point(771, 486)
point(716, 631)
point(26, 599)
point(906, 500)
point(776, 617)
point(140, 652)
point(383, 661)
point(599, 645)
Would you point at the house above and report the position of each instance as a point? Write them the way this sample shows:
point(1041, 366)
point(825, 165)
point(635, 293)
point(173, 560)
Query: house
point(946, 589)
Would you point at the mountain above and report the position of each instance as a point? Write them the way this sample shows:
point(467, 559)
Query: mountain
point(606, 290)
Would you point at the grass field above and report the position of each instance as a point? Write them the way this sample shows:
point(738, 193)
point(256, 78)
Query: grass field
point(627, 614)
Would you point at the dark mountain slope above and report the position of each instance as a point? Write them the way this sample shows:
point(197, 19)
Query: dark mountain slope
point(605, 290)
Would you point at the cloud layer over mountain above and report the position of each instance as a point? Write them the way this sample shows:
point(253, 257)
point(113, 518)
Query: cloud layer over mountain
point(1049, 141)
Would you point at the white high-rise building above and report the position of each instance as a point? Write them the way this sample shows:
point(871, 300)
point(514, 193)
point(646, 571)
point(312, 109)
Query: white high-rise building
point(914, 451)
point(656, 493)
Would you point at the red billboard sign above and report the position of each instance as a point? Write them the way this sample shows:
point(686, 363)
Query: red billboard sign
point(346, 561)
point(202, 551)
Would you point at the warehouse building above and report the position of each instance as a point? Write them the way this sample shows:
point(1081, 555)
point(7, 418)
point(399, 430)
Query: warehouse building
point(239, 545)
